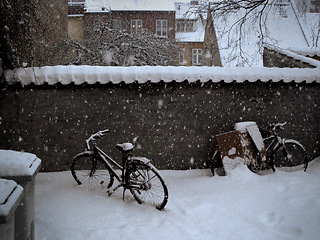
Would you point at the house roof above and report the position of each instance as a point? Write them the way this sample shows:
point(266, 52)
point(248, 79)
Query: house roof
point(131, 5)
point(282, 28)
point(196, 36)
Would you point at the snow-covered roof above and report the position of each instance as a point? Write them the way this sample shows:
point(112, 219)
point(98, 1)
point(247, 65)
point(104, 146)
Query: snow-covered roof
point(296, 55)
point(196, 36)
point(283, 28)
point(131, 5)
point(185, 11)
point(103, 75)
point(309, 22)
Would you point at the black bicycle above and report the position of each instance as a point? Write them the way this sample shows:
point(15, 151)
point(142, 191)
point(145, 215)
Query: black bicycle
point(95, 168)
point(281, 153)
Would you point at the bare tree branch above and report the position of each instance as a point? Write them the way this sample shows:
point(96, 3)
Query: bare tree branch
point(116, 47)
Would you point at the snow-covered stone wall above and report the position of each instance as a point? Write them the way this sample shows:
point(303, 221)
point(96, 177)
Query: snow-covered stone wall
point(175, 121)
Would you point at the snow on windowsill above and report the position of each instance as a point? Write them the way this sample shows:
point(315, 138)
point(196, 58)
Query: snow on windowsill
point(106, 74)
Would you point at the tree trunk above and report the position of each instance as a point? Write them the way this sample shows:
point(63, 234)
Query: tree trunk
point(211, 54)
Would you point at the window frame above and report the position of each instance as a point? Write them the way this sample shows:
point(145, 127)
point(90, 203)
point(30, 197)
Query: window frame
point(184, 26)
point(197, 56)
point(163, 25)
point(136, 28)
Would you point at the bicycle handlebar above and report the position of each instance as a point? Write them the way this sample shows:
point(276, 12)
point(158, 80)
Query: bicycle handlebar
point(276, 127)
point(95, 136)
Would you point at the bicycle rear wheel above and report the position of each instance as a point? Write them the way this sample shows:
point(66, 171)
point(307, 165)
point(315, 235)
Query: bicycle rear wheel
point(292, 156)
point(146, 184)
point(89, 170)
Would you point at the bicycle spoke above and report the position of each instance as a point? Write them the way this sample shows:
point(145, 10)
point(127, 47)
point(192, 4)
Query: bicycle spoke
point(89, 171)
point(147, 186)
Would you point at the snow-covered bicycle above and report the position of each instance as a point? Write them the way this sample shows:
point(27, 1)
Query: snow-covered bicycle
point(281, 153)
point(95, 168)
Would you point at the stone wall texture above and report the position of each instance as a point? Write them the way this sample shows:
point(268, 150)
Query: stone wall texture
point(176, 123)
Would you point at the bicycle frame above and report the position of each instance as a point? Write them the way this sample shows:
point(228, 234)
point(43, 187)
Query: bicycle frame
point(276, 143)
point(106, 158)
point(137, 173)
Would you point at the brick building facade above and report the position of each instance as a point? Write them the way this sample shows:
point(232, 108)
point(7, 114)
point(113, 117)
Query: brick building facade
point(160, 23)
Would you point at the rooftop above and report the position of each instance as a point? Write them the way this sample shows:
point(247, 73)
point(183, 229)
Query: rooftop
point(131, 5)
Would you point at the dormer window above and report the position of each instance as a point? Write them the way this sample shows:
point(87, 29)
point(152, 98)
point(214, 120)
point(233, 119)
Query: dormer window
point(184, 26)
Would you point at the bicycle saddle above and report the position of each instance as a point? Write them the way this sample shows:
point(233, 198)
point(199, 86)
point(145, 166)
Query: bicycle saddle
point(125, 147)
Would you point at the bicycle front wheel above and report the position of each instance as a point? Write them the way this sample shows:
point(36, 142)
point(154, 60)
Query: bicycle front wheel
point(292, 156)
point(89, 170)
point(146, 184)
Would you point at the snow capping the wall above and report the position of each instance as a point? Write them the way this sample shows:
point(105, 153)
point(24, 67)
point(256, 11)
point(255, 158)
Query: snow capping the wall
point(106, 74)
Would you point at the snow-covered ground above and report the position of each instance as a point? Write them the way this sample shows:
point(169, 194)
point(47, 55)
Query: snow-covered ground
point(242, 205)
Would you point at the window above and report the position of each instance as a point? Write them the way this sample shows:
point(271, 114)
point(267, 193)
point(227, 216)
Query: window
point(136, 26)
point(161, 28)
point(189, 26)
point(184, 26)
point(196, 56)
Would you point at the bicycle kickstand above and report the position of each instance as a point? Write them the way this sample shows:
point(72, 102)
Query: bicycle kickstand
point(124, 192)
